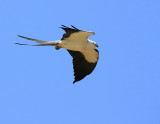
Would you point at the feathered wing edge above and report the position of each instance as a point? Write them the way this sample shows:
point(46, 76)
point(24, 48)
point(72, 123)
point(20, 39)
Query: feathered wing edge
point(81, 67)
point(68, 31)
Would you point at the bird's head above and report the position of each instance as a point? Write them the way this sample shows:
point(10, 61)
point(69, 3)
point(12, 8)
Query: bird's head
point(94, 44)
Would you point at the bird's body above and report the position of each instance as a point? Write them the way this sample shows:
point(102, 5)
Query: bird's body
point(83, 51)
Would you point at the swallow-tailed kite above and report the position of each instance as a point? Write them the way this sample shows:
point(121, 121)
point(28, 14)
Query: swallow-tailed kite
point(84, 52)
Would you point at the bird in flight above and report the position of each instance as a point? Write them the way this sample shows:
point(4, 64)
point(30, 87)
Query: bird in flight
point(83, 51)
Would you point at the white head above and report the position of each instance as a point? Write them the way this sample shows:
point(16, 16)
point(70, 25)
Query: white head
point(92, 43)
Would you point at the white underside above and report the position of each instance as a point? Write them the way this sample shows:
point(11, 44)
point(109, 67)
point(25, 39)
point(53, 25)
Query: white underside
point(85, 47)
point(79, 42)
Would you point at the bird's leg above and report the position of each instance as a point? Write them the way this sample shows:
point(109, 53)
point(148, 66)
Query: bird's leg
point(57, 47)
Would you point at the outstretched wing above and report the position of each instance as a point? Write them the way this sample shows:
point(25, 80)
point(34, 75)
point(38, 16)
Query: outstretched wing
point(81, 66)
point(75, 34)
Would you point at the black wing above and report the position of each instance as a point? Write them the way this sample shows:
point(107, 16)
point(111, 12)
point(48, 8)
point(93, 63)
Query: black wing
point(69, 31)
point(81, 67)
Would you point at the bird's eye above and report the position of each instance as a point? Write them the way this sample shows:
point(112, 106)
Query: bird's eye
point(95, 44)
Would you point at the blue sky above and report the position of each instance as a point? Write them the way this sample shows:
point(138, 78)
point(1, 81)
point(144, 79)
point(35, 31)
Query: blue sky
point(36, 82)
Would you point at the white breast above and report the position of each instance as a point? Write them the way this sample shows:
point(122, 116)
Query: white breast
point(91, 56)
point(76, 45)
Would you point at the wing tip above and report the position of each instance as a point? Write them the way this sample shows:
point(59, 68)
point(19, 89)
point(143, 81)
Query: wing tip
point(74, 27)
point(65, 27)
point(19, 36)
point(74, 81)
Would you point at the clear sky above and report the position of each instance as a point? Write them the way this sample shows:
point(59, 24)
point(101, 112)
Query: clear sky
point(36, 82)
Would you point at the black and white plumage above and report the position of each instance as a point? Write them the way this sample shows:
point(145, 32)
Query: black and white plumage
point(84, 52)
